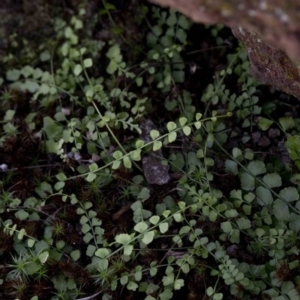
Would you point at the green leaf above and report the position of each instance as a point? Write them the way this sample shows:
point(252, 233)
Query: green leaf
point(89, 93)
point(77, 23)
point(85, 228)
point(92, 214)
point(157, 30)
point(80, 211)
point(93, 167)
point(163, 227)
point(281, 210)
point(138, 273)
point(153, 271)
point(51, 127)
point(247, 182)
point(117, 154)
point(96, 222)
point(157, 145)
point(30, 243)
point(139, 144)
point(235, 236)
point(172, 136)
point(154, 134)
point(178, 284)
point(141, 227)
point(9, 114)
point(75, 255)
point(182, 121)
point(187, 130)
point(64, 49)
point(31, 86)
point(59, 185)
point(287, 123)
point(13, 75)
point(135, 155)
point(124, 279)
point(210, 291)
point(181, 35)
point(60, 244)
point(127, 162)
point(112, 67)
point(87, 237)
point(257, 167)
point(182, 205)
point(272, 180)
point(37, 73)
point(213, 216)
point(116, 164)
point(198, 116)
point(151, 70)
point(26, 71)
point(44, 89)
point(166, 294)
point(185, 268)
point(102, 252)
point(218, 296)
point(243, 223)
point(178, 76)
point(154, 220)
point(128, 249)
point(178, 217)
point(210, 140)
point(91, 177)
point(87, 63)
point(264, 123)
point(132, 286)
point(236, 152)
point(144, 194)
point(264, 196)
point(148, 237)
point(171, 126)
point(259, 232)
point(231, 166)
point(184, 230)
point(123, 238)
point(61, 177)
point(43, 257)
point(226, 226)
point(22, 214)
point(139, 81)
point(197, 124)
point(88, 205)
point(45, 55)
point(289, 194)
point(77, 70)
point(114, 52)
point(102, 264)
point(90, 250)
point(184, 22)
point(248, 154)
point(21, 234)
point(172, 19)
point(294, 222)
point(169, 279)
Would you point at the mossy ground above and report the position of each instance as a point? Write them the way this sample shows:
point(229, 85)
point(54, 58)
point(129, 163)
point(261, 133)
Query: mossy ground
point(112, 196)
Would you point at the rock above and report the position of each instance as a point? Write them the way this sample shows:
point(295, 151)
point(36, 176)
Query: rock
point(154, 169)
point(270, 65)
